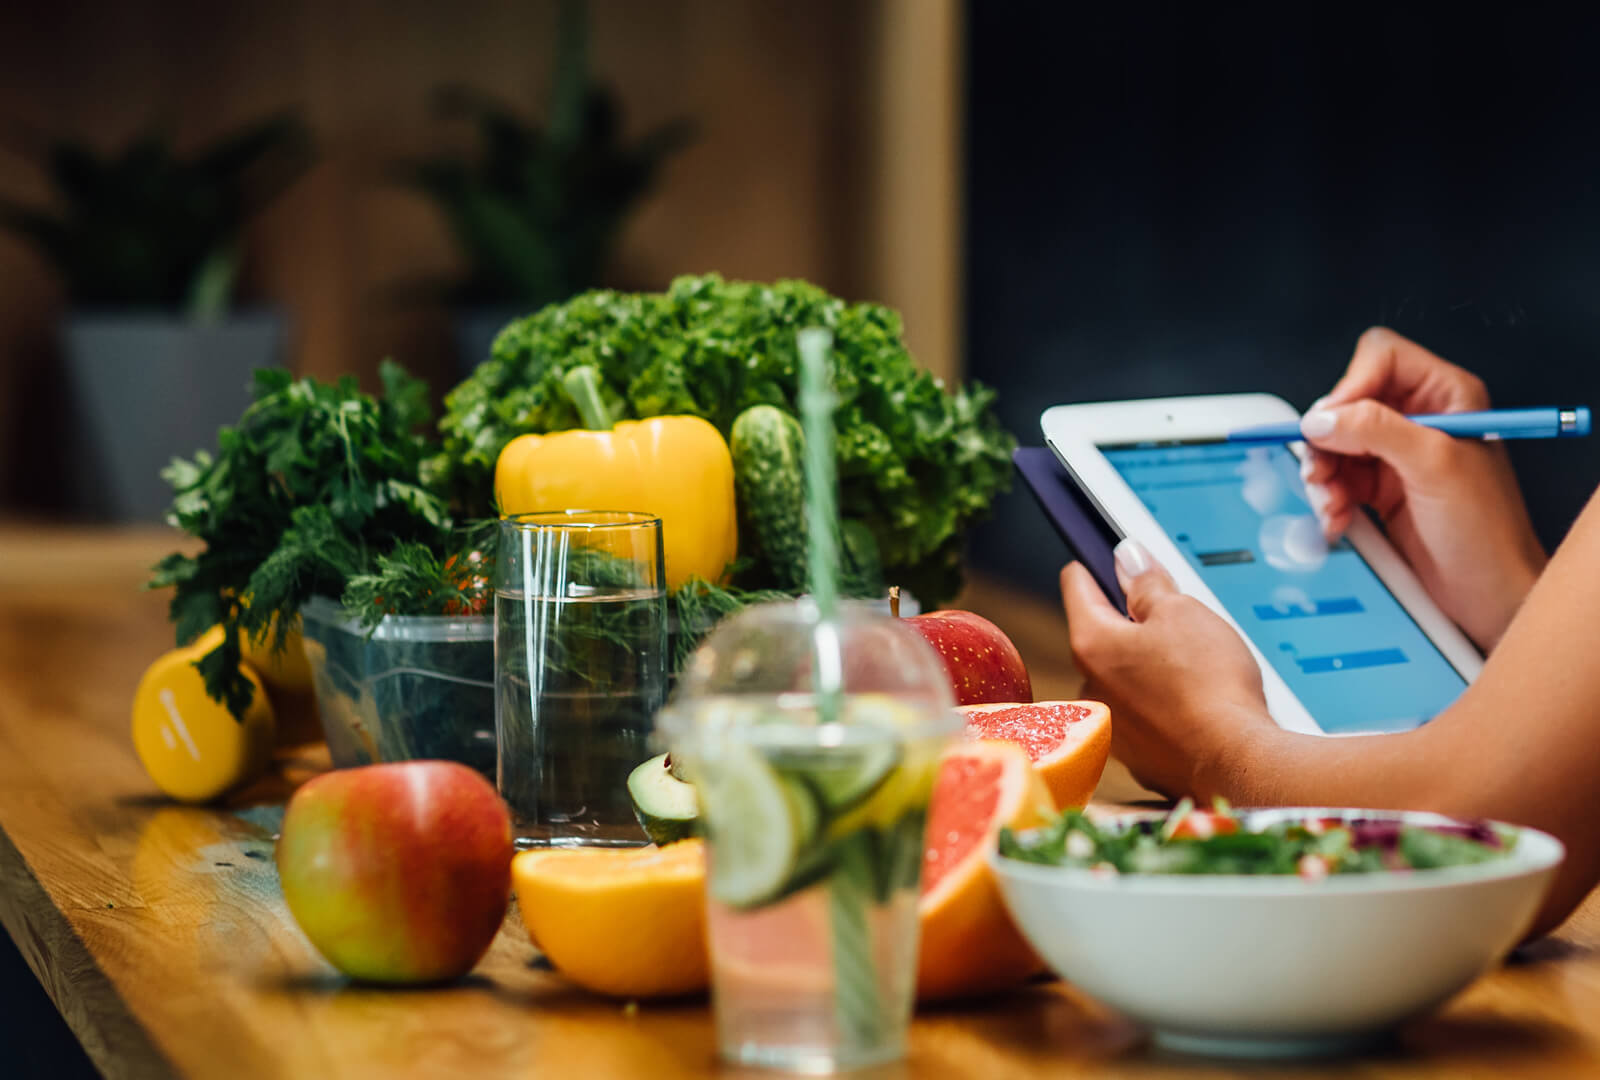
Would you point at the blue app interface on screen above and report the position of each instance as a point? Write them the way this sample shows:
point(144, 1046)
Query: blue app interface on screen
point(1340, 640)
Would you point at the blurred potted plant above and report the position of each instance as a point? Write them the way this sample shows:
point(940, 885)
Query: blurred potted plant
point(537, 210)
point(146, 242)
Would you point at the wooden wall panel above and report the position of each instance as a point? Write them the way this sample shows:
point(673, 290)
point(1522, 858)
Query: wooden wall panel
point(808, 138)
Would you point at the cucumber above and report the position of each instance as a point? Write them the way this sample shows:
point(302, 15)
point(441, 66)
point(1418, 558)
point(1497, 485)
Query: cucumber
point(665, 806)
point(805, 810)
point(768, 449)
point(758, 819)
point(844, 779)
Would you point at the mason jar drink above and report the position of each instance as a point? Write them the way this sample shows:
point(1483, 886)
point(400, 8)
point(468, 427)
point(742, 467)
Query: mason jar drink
point(813, 747)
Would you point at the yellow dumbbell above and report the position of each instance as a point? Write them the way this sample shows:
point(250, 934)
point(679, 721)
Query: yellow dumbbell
point(191, 746)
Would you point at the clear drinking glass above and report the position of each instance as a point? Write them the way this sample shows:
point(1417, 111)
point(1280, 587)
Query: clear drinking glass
point(813, 805)
point(580, 643)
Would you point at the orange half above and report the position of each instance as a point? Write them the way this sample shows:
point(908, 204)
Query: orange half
point(629, 923)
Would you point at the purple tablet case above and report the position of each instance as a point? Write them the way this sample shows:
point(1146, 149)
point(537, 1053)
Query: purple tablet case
point(1075, 518)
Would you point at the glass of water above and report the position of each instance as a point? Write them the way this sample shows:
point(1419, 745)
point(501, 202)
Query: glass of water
point(580, 649)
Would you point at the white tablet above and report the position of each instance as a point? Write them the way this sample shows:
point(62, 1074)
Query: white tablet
point(1347, 640)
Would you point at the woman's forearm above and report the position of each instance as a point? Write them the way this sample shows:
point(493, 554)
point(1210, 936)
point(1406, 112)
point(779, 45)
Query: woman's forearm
point(1521, 745)
point(1270, 766)
point(1405, 772)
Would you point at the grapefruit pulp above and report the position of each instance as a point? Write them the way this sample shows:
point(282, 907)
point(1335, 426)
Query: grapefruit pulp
point(1067, 741)
point(969, 944)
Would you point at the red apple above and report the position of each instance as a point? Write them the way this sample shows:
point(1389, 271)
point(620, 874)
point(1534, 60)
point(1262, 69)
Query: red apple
point(398, 873)
point(984, 666)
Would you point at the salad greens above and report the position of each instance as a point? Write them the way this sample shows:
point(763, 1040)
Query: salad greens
point(918, 464)
point(1190, 841)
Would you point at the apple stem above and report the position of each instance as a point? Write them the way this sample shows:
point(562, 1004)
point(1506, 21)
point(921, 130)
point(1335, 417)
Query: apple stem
point(894, 601)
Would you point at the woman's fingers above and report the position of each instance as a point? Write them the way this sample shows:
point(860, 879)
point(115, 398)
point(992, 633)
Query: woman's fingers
point(1081, 594)
point(1318, 466)
point(1394, 369)
point(1384, 366)
point(1093, 623)
point(1335, 524)
point(1369, 428)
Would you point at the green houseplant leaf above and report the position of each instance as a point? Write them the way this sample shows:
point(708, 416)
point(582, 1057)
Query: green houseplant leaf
point(537, 210)
point(147, 227)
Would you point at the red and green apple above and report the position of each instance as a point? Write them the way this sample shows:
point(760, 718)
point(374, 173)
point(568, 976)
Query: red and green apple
point(398, 873)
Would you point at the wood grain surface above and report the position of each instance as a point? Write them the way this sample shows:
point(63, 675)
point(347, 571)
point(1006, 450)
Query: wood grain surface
point(160, 933)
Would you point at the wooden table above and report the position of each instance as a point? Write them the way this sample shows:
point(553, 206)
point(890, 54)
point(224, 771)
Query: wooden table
point(161, 936)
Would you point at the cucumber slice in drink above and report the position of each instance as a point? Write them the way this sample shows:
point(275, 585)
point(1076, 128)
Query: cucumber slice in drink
point(805, 809)
point(844, 777)
point(758, 818)
point(665, 806)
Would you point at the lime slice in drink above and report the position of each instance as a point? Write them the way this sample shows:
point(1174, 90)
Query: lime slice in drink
point(756, 818)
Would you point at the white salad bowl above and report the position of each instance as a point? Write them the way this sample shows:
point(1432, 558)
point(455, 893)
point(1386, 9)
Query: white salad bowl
point(1276, 965)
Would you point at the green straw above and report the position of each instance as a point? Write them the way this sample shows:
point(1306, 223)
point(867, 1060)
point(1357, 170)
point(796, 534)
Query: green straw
point(817, 402)
point(856, 1001)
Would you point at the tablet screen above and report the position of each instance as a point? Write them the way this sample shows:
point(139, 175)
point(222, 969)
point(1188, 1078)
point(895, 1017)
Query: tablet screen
point(1320, 615)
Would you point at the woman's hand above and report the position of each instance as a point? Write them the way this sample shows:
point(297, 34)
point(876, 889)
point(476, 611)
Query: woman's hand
point(1182, 686)
point(1451, 506)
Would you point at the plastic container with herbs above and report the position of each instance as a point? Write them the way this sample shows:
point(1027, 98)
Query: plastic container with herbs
point(420, 686)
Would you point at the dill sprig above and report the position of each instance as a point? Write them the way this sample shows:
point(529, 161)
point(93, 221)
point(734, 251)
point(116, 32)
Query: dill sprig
point(415, 579)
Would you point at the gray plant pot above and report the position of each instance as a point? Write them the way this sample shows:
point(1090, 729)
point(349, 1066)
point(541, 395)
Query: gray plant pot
point(147, 387)
point(475, 331)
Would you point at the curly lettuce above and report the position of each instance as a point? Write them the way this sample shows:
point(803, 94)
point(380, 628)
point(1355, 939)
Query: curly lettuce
point(919, 463)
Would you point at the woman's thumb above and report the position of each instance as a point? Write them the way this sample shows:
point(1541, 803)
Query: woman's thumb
point(1141, 577)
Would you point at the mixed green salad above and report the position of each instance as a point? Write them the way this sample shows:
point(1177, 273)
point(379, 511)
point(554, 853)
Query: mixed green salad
point(1193, 841)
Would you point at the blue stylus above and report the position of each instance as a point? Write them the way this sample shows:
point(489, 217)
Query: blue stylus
point(1548, 422)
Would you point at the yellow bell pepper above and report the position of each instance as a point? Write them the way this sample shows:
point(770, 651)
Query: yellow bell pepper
point(675, 467)
point(286, 670)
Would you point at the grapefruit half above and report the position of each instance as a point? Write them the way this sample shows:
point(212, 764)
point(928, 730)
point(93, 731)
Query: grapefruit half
point(1068, 741)
point(969, 945)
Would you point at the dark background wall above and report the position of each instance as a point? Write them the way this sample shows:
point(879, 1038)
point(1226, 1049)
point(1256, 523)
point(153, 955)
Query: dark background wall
point(1165, 199)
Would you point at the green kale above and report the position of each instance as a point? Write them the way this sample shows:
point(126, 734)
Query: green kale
point(918, 464)
point(313, 483)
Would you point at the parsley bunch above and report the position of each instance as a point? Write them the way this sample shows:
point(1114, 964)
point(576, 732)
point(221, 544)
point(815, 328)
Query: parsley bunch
point(313, 484)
